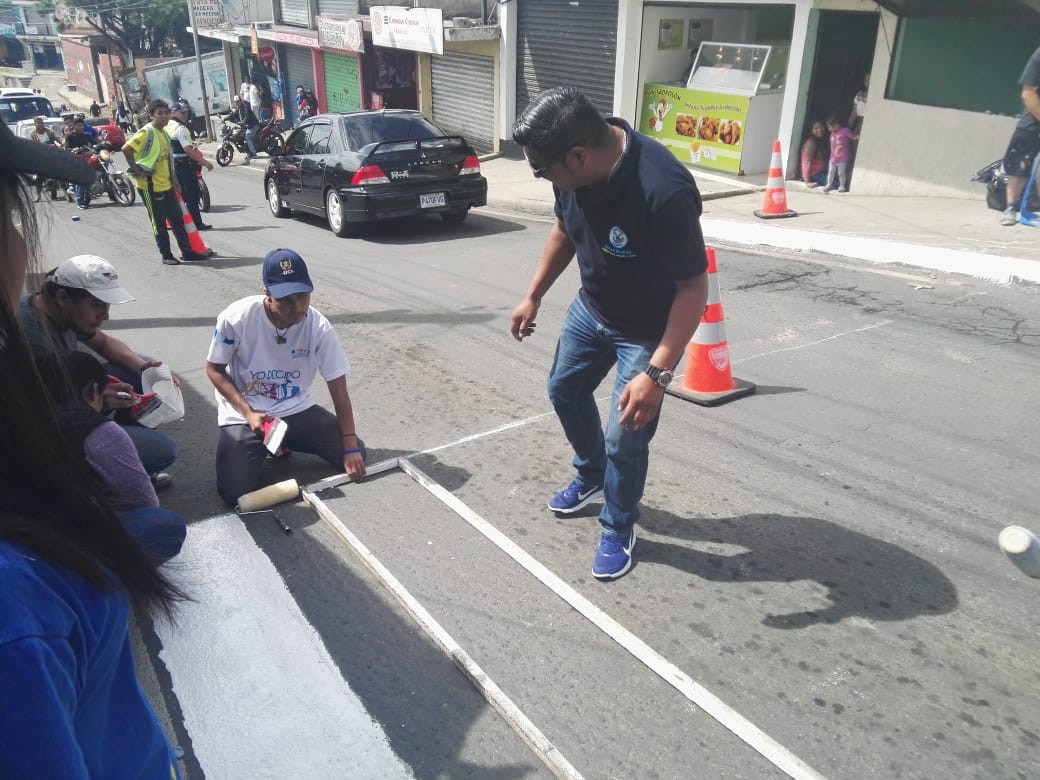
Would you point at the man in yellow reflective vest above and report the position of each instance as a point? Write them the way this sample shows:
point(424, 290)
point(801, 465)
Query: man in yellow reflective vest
point(148, 157)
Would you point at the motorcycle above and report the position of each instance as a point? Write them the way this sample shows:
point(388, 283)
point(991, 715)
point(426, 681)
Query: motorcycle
point(233, 136)
point(107, 180)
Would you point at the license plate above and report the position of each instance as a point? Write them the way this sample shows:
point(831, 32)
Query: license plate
point(431, 199)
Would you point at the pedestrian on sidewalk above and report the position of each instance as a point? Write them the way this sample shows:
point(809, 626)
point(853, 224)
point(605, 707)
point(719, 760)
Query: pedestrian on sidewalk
point(265, 354)
point(630, 212)
point(815, 156)
point(123, 118)
point(841, 151)
point(187, 160)
point(1025, 141)
point(147, 155)
point(95, 109)
point(70, 701)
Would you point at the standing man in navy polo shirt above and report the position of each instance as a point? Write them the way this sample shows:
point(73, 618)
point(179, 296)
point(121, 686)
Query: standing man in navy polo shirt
point(630, 212)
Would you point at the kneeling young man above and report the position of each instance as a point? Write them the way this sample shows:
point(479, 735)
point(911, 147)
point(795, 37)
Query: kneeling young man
point(266, 351)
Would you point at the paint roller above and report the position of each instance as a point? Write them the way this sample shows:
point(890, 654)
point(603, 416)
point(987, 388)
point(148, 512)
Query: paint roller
point(266, 498)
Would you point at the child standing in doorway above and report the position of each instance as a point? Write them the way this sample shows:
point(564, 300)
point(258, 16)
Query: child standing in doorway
point(841, 149)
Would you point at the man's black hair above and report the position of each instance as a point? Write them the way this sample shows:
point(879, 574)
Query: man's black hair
point(156, 104)
point(558, 119)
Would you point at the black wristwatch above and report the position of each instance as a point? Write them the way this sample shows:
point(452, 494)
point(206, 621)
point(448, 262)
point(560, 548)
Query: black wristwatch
point(662, 376)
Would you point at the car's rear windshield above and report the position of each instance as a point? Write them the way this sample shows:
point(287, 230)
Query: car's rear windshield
point(16, 108)
point(364, 130)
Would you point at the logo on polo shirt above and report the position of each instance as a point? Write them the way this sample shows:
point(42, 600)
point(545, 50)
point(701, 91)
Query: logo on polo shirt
point(617, 238)
point(617, 241)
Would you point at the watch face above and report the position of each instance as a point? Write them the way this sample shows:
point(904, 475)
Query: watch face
point(665, 378)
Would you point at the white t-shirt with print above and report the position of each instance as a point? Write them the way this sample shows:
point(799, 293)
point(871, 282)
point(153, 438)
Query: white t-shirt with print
point(274, 378)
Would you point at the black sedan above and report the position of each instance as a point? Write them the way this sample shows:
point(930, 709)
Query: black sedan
point(367, 166)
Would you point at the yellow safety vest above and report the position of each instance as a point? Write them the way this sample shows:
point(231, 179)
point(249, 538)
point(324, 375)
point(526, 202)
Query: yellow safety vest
point(149, 156)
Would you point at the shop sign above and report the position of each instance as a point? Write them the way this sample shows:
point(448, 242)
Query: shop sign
point(254, 42)
point(294, 39)
point(416, 29)
point(207, 13)
point(342, 34)
point(266, 54)
point(698, 127)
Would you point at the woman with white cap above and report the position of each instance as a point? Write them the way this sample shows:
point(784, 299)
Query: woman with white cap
point(70, 310)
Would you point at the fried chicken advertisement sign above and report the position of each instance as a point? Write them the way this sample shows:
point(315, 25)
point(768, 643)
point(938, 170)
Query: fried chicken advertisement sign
point(700, 128)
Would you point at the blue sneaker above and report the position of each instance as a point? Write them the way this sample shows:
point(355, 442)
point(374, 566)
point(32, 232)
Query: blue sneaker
point(574, 497)
point(614, 556)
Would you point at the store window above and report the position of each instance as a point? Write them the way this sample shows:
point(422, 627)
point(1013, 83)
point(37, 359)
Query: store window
point(967, 64)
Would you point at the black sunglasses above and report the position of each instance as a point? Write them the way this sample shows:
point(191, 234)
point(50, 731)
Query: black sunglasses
point(539, 173)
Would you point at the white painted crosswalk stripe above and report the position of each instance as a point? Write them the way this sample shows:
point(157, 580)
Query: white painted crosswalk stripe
point(260, 694)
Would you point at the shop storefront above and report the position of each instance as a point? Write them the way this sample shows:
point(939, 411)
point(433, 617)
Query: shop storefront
point(713, 82)
point(566, 43)
point(342, 42)
point(298, 65)
point(464, 97)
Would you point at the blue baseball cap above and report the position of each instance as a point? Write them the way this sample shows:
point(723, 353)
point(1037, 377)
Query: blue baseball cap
point(285, 274)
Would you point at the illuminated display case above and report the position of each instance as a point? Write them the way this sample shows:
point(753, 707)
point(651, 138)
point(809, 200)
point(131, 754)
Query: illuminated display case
point(726, 114)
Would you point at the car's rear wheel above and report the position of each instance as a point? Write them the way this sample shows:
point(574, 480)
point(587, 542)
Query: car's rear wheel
point(274, 200)
point(455, 217)
point(334, 214)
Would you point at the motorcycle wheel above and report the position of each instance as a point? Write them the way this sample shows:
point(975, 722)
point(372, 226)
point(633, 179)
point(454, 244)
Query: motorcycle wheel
point(204, 202)
point(224, 155)
point(123, 191)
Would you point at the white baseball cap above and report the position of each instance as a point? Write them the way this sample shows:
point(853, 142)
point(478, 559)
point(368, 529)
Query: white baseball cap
point(93, 274)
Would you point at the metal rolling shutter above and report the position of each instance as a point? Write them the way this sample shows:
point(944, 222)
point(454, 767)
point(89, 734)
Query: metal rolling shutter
point(299, 70)
point(338, 8)
point(295, 12)
point(560, 43)
point(342, 83)
point(464, 97)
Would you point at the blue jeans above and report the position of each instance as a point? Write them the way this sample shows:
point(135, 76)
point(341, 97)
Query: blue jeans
point(251, 139)
point(159, 531)
point(156, 449)
point(81, 193)
point(617, 460)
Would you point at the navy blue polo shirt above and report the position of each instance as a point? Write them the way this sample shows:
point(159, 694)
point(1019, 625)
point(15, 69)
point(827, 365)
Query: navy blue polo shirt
point(635, 238)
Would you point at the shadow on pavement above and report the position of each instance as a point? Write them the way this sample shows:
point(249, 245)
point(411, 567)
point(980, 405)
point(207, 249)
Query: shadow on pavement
point(864, 577)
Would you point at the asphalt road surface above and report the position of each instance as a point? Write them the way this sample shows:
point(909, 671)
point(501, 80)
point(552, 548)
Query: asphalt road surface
point(819, 560)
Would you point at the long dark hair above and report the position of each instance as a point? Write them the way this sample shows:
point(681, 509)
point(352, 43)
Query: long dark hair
point(821, 145)
point(47, 504)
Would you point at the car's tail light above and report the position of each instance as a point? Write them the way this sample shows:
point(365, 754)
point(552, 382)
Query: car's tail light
point(470, 165)
point(369, 174)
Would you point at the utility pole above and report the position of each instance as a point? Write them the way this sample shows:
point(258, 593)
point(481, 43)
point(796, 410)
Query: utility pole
point(198, 64)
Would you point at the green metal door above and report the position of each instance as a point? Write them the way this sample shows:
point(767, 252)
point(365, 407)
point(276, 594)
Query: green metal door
point(342, 83)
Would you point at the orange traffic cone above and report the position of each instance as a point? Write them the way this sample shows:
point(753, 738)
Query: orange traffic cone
point(775, 205)
point(707, 380)
point(194, 239)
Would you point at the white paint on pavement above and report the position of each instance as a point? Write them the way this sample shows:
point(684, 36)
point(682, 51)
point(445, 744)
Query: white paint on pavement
point(874, 250)
point(260, 694)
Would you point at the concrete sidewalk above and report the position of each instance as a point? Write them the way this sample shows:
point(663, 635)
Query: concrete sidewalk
point(945, 234)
